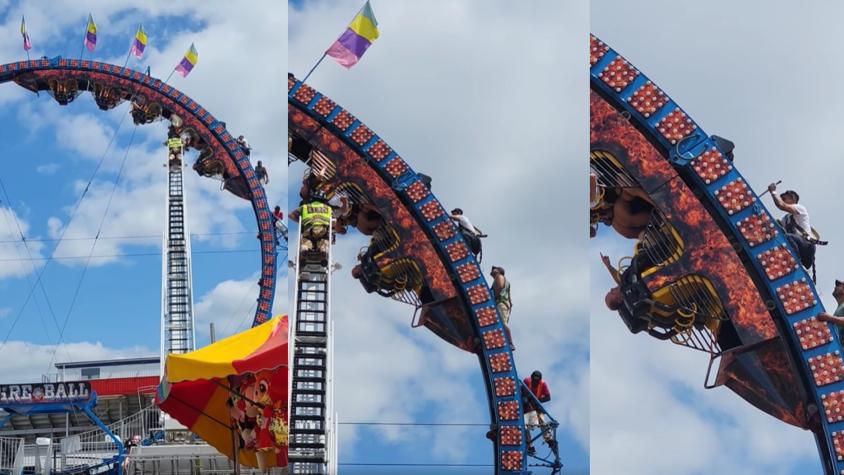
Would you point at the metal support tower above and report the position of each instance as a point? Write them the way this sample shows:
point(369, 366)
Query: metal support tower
point(313, 428)
point(177, 325)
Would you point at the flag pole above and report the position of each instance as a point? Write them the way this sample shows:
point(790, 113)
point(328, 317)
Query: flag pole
point(171, 75)
point(315, 66)
point(128, 55)
point(131, 44)
point(82, 51)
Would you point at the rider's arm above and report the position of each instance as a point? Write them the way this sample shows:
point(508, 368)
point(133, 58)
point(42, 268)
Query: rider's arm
point(546, 394)
point(825, 317)
point(782, 205)
point(497, 284)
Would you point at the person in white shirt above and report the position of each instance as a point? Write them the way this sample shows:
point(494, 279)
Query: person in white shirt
point(788, 202)
point(469, 231)
point(463, 221)
point(796, 224)
point(241, 140)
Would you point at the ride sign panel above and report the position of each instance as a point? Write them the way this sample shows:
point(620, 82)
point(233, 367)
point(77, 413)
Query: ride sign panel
point(44, 393)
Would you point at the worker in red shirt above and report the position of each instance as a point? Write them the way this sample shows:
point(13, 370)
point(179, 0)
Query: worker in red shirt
point(533, 419)
point(278, 222)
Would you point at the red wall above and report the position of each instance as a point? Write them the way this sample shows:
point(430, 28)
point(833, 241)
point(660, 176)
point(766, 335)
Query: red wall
point(125, 386)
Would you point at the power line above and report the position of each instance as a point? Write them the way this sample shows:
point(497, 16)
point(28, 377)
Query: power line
point(363, 464)
point(129, 254)
point(434, 424)
point(135, 236)
point(93, 245)
point(32, 264)
point(72, 215)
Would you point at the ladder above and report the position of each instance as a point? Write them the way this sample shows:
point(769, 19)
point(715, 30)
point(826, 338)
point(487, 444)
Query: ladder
point(312, 446)
point(177, 302)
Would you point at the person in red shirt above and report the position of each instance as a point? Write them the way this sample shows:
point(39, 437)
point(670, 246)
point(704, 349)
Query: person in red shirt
point(533, 419)
point(278, 222)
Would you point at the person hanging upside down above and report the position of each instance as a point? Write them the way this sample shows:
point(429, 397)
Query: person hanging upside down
point(627, 210)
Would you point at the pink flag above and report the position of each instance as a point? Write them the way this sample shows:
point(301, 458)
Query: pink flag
point(26, 44)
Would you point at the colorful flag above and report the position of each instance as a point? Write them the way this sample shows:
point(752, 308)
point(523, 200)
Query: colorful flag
point(26, 44)
point(188, 62)
point(139, 44)
point(351, 45)
point(90, 40)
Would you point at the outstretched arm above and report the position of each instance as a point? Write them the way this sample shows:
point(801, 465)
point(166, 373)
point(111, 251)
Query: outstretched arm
point(778, 202)
point(825, 317)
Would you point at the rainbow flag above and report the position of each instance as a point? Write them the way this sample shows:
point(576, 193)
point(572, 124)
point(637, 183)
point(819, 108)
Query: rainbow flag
point(187, 63)
point(351, 45)
point(26, 44)
point(139, 44)
point(90, 40)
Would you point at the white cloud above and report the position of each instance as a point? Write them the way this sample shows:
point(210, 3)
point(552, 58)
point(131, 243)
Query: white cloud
point(18, 259)
point(230, 305)
point(48, 168)
point(40, 358)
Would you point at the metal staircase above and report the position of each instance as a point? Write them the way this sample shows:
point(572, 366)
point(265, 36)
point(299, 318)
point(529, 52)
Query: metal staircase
point(177, 335)
point(313, 429)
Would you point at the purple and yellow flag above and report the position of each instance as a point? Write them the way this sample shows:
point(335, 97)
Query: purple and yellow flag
point(26, 44)
point(351, 45)
point(90, 40)
point(187, 63)
point(139, 44)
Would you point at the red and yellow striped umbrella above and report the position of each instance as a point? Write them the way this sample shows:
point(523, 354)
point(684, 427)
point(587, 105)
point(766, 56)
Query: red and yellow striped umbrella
point(234, 392)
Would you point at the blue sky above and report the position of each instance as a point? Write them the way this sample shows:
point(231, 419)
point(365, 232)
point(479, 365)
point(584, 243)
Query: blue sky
point(466, 107)
point(52, 152)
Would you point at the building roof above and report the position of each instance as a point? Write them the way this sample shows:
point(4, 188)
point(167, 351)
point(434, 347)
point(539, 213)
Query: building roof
point(116, 362)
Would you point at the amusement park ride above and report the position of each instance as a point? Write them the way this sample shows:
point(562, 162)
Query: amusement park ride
point(220, 156)
point(712, 270)
point(416, 256)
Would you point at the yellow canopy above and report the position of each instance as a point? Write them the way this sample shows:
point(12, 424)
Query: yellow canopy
point(219, 359)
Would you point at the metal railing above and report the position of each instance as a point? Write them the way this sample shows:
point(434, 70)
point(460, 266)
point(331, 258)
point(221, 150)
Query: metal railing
point(144, 423)
point(11, 455)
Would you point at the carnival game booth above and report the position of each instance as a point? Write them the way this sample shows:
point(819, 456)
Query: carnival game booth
point(233, 394)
